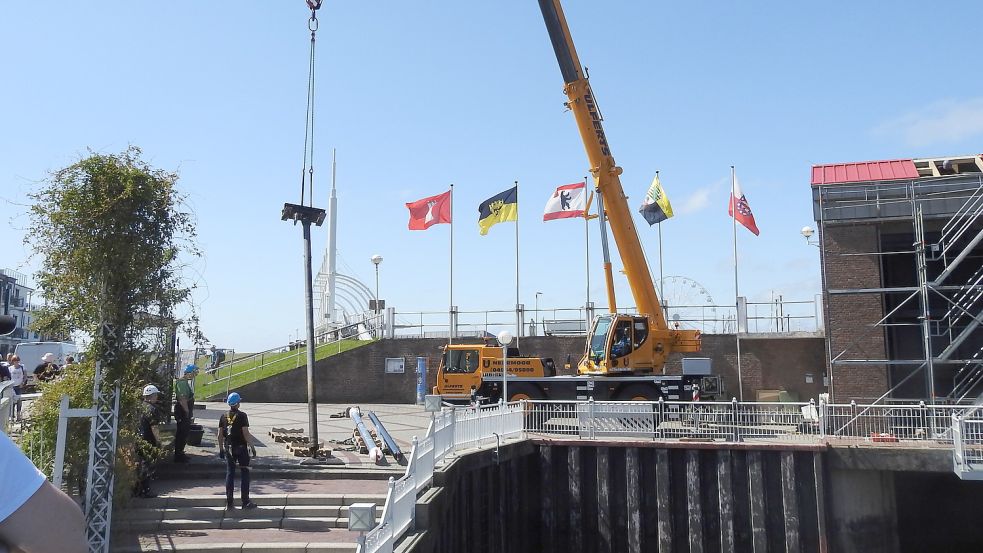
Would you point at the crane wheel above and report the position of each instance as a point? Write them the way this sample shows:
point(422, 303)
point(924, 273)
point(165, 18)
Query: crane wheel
point(524, 391)
point(530, 393)
point(638, 392)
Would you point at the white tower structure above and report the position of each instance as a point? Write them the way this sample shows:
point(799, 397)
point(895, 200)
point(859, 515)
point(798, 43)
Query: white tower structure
point(330, 312)
point(337, 307)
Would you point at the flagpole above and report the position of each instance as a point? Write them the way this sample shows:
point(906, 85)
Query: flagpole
point(737, 307)
point(450, 308)
point(662, 294)
point(586, 255)
point(518, 330)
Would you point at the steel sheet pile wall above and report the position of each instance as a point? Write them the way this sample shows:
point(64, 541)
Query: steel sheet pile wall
point(563, 499)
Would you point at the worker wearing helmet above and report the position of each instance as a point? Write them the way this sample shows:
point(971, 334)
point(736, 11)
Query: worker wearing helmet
point(184, 395)
point(235, 444)
point(147, 448)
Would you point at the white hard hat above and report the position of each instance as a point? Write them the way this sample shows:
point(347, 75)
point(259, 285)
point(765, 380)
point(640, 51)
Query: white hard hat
point(48, 357)
point(150, 390)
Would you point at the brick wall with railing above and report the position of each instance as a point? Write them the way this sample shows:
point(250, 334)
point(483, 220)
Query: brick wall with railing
point(852, 316)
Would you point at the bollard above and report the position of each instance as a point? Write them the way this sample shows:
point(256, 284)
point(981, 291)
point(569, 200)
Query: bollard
point(662, 417)
point(590, 418)
point(822, 417)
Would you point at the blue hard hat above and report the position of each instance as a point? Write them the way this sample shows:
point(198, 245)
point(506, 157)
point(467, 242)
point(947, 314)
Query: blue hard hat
point(234, 399)
point(190, 369)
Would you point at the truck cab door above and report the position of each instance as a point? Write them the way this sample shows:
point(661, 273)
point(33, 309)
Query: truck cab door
point(459, 372)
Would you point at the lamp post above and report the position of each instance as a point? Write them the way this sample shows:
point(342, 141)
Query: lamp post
point(807, 233)
point(504, 339)
point(306, 216)
point(376, 260)
point(537, 313)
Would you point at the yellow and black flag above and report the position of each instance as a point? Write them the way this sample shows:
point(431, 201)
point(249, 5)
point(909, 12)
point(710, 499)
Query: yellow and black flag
point(498, 209)
point(656, 207)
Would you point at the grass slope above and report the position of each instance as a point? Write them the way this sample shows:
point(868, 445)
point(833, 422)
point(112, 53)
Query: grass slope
point(266, 365)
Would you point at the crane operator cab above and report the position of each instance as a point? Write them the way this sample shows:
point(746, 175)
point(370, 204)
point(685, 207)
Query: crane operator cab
point(622, 343)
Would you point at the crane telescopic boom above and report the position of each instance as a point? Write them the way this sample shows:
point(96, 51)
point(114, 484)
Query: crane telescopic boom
point(648, 347)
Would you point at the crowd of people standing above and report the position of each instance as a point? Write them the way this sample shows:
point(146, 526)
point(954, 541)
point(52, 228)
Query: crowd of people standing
point(13, 370)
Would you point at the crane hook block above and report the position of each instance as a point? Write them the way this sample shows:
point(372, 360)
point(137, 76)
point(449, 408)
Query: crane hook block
point(314, 5)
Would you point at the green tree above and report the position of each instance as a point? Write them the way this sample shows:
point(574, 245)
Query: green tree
point(113, 235)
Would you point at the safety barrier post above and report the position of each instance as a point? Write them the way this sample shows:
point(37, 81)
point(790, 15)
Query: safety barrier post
point(822, 417)
point(590, 417)
point(662, 417)
point(853, 417)
point(734, 405)
point(923, 419)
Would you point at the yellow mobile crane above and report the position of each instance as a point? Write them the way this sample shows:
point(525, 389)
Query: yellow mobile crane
point(648, 339)
point(624, 352)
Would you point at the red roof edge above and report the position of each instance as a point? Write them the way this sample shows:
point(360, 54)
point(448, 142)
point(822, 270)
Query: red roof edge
point(864, 171)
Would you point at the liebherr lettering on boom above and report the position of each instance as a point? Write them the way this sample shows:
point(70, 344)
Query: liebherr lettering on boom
point(625, 354)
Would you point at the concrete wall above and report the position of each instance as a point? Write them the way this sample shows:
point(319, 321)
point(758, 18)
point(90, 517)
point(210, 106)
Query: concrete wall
point(358, 375)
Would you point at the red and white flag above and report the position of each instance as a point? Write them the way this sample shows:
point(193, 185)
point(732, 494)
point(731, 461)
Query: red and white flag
point(743, 215)
point(569, 200)
point(430, 211)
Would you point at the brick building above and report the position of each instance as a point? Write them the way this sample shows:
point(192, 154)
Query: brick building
point(902, 261)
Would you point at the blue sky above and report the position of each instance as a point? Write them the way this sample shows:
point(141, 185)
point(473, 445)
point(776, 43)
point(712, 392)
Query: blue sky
point(415, 96)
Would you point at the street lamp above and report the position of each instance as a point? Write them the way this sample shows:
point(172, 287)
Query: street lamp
point(504, 339)
point(537, 307)
point(376, 260)
point(807, 233)
point(307, 216)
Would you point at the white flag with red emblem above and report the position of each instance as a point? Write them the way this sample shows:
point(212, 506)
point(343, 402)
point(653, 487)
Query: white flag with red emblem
point(743, 213)
point(569, 200)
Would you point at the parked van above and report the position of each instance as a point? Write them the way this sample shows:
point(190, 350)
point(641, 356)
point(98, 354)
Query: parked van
point(30, 354)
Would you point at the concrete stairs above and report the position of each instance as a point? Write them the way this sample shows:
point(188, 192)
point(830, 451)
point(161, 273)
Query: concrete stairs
point(283, 522)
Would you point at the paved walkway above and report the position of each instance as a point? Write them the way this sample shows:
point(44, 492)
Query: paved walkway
point(401, 420)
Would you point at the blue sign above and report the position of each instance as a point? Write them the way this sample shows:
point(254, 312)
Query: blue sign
point(421, 379)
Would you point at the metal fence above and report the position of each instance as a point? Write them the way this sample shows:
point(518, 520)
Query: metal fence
point(449, 431)
point(777, 315)
point(7, 401)
point(810, 422)
point(967, 440)
point(735, 421)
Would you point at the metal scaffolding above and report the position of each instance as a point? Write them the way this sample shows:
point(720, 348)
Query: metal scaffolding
point(943, 216)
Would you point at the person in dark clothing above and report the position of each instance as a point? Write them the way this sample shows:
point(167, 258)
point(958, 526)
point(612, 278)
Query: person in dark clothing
point(47, 370)
point(235, 445)
point(149, 418)
point(184, 393)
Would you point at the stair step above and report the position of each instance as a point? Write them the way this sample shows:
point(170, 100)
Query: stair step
point(238, 540)
point(208, 513)
point(249, 547)
point(281, 500)
point(253, 520)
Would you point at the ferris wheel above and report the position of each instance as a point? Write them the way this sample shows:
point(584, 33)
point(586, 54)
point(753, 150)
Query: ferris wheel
point(689, 304)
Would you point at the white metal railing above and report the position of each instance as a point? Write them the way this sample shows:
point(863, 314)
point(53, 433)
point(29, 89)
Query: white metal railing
point(967, 442)
point(777, 315)
point(450, 430)
point(793, 422)
point(7, 402)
